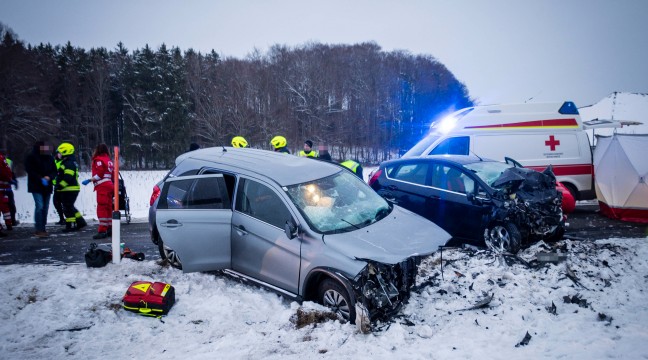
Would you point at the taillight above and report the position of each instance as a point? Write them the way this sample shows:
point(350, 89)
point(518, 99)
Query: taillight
point(375, 177)
point(155, 195)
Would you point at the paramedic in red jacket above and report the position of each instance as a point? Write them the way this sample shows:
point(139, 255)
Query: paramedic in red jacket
point(102, 174)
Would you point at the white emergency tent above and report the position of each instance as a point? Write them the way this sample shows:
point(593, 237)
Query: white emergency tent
point(621, 173)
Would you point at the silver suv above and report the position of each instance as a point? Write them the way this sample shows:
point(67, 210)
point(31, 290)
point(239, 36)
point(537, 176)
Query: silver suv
point(308, 229)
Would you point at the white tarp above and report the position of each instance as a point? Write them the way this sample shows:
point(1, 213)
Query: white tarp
point(620, 173)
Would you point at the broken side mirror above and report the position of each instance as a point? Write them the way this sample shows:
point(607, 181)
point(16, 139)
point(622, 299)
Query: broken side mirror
point(290, 229)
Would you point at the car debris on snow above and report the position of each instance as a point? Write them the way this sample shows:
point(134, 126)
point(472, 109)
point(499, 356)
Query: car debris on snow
point(572, 276)
point(524, 341)
point(576, 299)
point(552, 309)
point(484, 302)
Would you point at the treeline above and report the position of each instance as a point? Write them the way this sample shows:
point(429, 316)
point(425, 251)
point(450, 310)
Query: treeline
point(363, 102)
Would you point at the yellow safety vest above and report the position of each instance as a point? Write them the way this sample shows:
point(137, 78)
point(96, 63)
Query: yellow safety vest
point(352, 165)
point(311, 154)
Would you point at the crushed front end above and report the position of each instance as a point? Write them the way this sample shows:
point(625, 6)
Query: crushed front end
point(530, 200)
point(381, 289)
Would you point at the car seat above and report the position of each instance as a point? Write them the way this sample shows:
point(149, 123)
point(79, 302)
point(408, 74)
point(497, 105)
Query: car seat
point(454, 181)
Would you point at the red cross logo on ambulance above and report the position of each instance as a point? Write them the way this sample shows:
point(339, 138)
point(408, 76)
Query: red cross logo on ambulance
point(552, 143)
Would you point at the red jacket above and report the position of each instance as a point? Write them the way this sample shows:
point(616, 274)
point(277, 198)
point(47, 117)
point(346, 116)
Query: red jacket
point(102, 171)
point(6, 175)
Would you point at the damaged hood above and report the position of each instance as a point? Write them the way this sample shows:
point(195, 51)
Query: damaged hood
point(526, 180)
point(398, 236)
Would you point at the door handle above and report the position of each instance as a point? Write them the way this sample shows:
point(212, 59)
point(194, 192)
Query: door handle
point(240, 229)
point(391, 199)
point(435, 197)
point(392, 187)
point(173, 223)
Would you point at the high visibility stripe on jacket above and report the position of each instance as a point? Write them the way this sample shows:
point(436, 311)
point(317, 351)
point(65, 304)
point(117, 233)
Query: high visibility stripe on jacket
point(57, 162)
point(311, 154)
point(68, 175)
point(351, 165)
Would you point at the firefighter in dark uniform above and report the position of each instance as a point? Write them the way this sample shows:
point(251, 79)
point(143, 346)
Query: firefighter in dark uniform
point(56, 199)
point(67, 185)
point(279, 144)
point(239, 142)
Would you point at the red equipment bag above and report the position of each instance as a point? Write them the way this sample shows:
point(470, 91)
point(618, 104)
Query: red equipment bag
point(149, 298)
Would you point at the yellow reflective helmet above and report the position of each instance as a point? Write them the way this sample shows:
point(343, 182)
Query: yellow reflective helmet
point(66, 149)
point(278, 142)
point(239, 142)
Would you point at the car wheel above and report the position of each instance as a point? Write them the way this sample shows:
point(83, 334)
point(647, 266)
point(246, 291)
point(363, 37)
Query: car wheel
point(168, 254)
point(334, 296)
point(502, 238)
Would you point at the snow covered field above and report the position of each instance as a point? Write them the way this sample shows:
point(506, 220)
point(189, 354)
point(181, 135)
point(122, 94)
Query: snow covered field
point(592, 305)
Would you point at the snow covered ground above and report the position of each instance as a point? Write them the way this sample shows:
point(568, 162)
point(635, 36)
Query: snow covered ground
point(592, 305)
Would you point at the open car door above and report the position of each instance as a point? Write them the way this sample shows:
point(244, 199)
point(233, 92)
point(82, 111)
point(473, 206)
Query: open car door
point(194, 217)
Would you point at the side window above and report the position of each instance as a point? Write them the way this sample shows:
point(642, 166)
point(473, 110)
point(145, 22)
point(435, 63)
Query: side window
point(453, 146)
point(174, 195)
point(452, 179)
point(261, 202)
point(207, 193)
point(415, 173)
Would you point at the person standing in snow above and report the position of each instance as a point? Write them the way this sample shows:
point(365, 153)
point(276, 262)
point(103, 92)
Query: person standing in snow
point(10, 194)
point(67, 184)
point(354, 166)
point(239, 142)
point(6, 178)
point(323, 153)
point(102, 178)
point(41, 170)
point(308, 150)
point(279, 144)
point(56, 199)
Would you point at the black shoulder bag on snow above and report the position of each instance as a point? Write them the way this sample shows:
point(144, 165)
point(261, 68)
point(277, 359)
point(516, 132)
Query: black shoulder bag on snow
point(96, 257)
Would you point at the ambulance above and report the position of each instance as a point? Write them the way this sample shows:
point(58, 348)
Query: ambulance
point(534, 134)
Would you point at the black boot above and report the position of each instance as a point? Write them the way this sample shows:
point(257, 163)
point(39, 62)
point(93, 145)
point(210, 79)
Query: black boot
point(70, 226)
point(61, 221)
point(81, 223)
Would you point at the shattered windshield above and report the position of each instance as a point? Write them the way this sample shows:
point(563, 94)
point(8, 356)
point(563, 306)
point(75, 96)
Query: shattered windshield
point(488, 171)
point(338, 203)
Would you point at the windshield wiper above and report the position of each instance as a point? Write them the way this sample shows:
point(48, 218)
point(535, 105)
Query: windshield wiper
point(355, 226)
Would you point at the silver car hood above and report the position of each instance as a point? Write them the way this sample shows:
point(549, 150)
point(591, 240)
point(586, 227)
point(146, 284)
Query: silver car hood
point(398, 236)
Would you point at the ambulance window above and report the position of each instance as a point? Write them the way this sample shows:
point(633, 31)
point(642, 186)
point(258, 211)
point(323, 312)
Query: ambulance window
point(453, 146)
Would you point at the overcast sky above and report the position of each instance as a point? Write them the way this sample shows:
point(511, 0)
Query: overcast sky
point(503, 50)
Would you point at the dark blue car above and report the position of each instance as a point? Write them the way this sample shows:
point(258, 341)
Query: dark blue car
point(476, 200)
